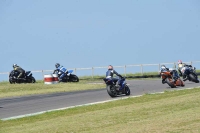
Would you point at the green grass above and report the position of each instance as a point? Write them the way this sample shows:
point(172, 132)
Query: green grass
point(11, 90)
point(169, 112)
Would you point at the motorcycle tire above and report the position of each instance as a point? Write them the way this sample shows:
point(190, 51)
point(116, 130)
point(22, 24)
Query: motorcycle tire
point(111, 91)
point(33, 80)
point(170, 83)
point(74, 78)
point(127, 90)
point(11, 81)
point(179, 82)
point(193, 78)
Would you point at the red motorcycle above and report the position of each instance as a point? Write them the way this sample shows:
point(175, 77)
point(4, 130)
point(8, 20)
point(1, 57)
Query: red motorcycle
point(168, 78)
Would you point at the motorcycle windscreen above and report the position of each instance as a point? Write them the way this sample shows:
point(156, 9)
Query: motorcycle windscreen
point(187, 71)
point(122, 83)
point(28, 73)
point(70, 71)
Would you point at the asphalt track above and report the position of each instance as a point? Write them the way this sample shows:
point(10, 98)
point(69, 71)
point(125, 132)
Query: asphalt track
point(23, 106)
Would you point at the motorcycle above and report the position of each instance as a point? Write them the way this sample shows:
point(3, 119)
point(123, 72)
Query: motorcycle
point(27, 78)
point(69, 77)
point(190, 72)
point(114, 90)
point(168, 78)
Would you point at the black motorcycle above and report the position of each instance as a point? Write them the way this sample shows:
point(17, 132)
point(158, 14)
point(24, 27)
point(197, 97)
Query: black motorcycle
point(190, 72)
point(113, 89)
point(69, 77)
point(26, 78)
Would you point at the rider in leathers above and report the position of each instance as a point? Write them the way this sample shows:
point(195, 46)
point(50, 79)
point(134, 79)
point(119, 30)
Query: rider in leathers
point(111, 72)
point(19, 70)
point(181, 65)
point(174, 73)
point(61, 71)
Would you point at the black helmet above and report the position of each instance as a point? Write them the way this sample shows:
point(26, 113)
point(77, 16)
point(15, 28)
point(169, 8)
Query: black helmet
point(14, 65)
point(57, 65)
point(110, 67)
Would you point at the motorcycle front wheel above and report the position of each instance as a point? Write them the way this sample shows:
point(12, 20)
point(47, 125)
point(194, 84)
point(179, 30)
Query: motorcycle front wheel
point(33, 80)
point(127, 90)
point(170, 83)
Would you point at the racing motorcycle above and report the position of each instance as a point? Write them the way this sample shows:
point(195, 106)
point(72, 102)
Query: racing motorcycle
point(115, 90)
point(69, 77)
point(27, 78)
point(190, 72)
point(168, 78)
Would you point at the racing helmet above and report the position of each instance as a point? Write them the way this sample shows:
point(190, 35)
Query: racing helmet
point(180, 62)
point(110, 67)
point(57, 65)
point(14, 65)
point(163, 67)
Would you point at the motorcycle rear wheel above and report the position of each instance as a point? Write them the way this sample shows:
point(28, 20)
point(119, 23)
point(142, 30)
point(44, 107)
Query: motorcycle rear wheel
point(193, 78)
point(74, 78)
point(111, 91)
point(11, 81)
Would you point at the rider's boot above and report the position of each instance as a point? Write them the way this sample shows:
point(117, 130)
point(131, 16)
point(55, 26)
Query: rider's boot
point(184, 77)
point(175, 79)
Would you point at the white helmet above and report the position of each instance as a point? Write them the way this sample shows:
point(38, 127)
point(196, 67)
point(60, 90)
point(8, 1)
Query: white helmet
point(14, 65)
point(179, 62)
point(163, 67)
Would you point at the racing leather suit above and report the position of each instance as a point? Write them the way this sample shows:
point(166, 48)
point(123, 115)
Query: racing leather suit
point(180, 66)
point(111, 72)
point(21, 71)
point(61, 72)
point(183, 74)
point(173, 72)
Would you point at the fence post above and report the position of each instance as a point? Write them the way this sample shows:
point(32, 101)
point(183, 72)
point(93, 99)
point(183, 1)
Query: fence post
point(141, 69)
point(191, 63)
point(42, 74)
point(158, 68)
point(125, 70)
point(75, 70)
point(92, 72)
point(174, 65)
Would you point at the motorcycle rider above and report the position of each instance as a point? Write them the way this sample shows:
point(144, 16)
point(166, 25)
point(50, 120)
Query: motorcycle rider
point(174, 73)
point(61, 71)
point(181, 65)
point(19, 70)
point(111, 72)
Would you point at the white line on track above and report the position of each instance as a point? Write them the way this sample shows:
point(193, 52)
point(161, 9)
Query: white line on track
point(42, 112)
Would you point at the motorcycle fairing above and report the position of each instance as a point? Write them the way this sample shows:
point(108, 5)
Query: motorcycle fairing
point(70, 71)
point(28, 73)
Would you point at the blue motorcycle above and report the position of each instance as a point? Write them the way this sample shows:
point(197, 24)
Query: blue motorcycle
point(113, 89)
point(191, 74)
point(69, 77)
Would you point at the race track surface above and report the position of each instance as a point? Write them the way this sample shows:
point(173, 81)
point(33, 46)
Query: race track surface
point(11, 107)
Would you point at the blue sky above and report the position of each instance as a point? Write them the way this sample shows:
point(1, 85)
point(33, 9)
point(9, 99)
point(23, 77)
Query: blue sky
point(36, 34)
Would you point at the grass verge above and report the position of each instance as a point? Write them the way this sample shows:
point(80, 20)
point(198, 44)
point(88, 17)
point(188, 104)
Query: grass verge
point(11, 90)
point(170, 112)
